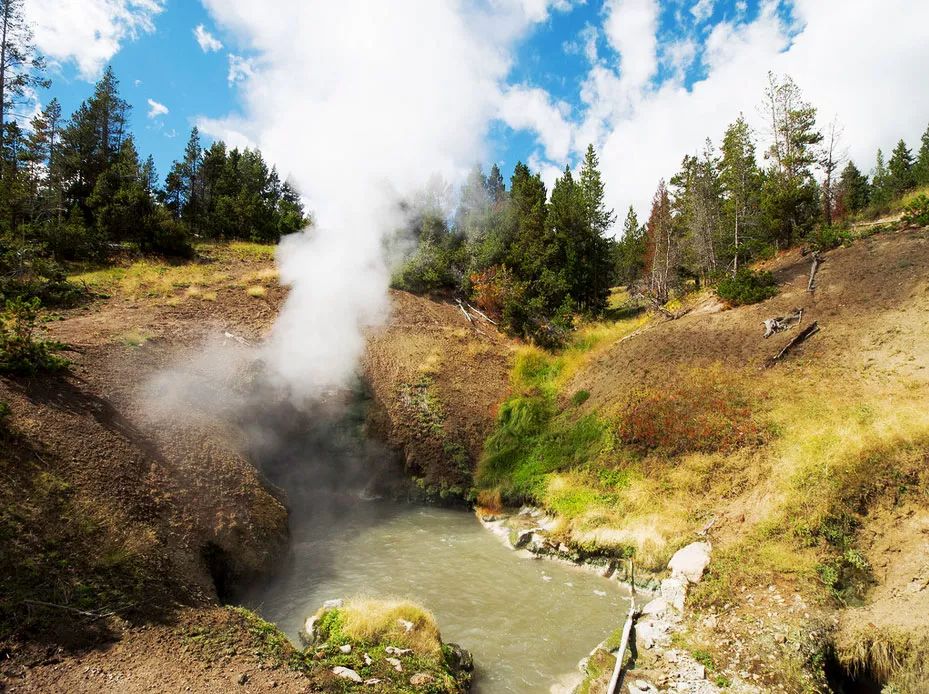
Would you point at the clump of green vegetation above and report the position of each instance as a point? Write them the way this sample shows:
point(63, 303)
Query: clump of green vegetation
point(372, 637)
point(747, 287)
point(20, 351)
point(825, 238)
point(916, 211)
point(532, 438)
point(580, 397)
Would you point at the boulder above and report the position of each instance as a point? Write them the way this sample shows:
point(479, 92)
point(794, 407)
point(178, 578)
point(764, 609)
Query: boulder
point(691, 561)
point(458, 659)
point(655, 607)
point(346, 673)
point(674, 591)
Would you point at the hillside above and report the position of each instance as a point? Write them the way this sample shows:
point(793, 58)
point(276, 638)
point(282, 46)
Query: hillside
point(809, 477)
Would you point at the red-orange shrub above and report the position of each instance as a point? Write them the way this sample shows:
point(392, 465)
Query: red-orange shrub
point(703, 413)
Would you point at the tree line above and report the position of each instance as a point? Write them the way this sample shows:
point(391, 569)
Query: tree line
point(536, 261)
point(531, 260)
point(76, 188)
point(722, 209)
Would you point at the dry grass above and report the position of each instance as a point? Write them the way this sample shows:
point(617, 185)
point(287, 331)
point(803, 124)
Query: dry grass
point(370, 620)
point(898, 658)
point(256, 291)
point(150, 279)
point(135, 337)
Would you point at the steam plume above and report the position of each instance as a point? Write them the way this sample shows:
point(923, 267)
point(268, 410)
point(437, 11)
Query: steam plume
point(360, 103)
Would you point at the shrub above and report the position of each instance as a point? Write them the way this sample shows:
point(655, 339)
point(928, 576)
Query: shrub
point(705, 413)
point(828, 237)
point(20, 352)
point(580, 397)
point(916, 212)
point(747, 287)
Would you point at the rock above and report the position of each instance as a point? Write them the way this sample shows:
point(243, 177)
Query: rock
point(332, 604)
point(642, 685)
point(650, 633)
point(346, 673)
point(406, 624)
point(307, 635)
point(367, 659)
point(458, 659)
point(655, 607)
point(346, 648)
point(395, 663)
point(674, 591)
point(691, 561)
point(393, 650)
point(243, 678)
point(421, 678)
point(372, 681)
point(523, 538)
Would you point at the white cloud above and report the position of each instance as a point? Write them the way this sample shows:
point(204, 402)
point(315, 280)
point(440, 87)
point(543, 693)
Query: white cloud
point(360, 103)
point(702, 9)
point(527, 108)
point(208, 42)
point(89, 32)
point(630, 27)
point(644, 131)
point(156, 109)
point(239, 69)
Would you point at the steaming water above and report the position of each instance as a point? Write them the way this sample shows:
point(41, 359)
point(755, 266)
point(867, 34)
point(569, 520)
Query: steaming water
point(526, 621)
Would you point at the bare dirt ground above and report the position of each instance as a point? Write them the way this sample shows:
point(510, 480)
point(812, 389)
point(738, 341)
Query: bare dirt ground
point(177, 491)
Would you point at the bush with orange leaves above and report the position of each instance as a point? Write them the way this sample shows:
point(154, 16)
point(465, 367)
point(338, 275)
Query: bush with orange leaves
point(491, 289)
point(707, 412)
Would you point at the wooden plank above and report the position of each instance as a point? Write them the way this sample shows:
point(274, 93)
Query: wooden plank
point(627, 630)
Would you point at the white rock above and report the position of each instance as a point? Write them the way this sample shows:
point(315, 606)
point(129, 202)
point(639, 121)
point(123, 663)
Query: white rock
point(395, 663)
point(642, 685)
point(655, 607)
point(346, 648)
point(691, 561)
point(346, 673)
point(332, 604)
point(674, 591)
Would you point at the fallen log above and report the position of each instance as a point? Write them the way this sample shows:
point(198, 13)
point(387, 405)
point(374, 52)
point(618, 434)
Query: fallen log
point(811, 329)
point(492, 322)
point(817, 259)
point(781, 323)
point(466, 314)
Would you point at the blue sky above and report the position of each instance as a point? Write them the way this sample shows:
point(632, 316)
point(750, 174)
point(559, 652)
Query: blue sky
point(645, 80)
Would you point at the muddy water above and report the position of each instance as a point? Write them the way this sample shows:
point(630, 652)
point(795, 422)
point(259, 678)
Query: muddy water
point(526, 621)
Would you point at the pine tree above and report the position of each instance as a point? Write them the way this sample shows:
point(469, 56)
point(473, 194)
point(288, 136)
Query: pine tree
point(853, 191)
point(697, 201)
point(662, 248)
point(599, 217)
point(881, 190)
point(630, 250)
point(22, 69)
point(740, 179)
point(496, 188)
point(790, 192)
point(921, 167)
point(900, 176)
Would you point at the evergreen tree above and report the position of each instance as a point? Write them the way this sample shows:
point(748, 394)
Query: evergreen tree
point(92, 140)
point(881, 189)
point(662, 247)
point(630, 250)
point(697, 201)
point(740, 180)
point(853, 191)
point(22, 69)
point(790, 192)
point(921, 167)
point(496, 188)
point(189, 172)
point(900, 176)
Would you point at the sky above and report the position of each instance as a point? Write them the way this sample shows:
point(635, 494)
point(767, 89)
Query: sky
point(645, 81)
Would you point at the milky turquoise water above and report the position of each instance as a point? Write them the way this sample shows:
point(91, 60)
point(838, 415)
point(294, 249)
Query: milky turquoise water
point(527, 621)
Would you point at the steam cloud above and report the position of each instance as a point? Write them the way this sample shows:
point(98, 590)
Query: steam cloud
point(360, 104)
